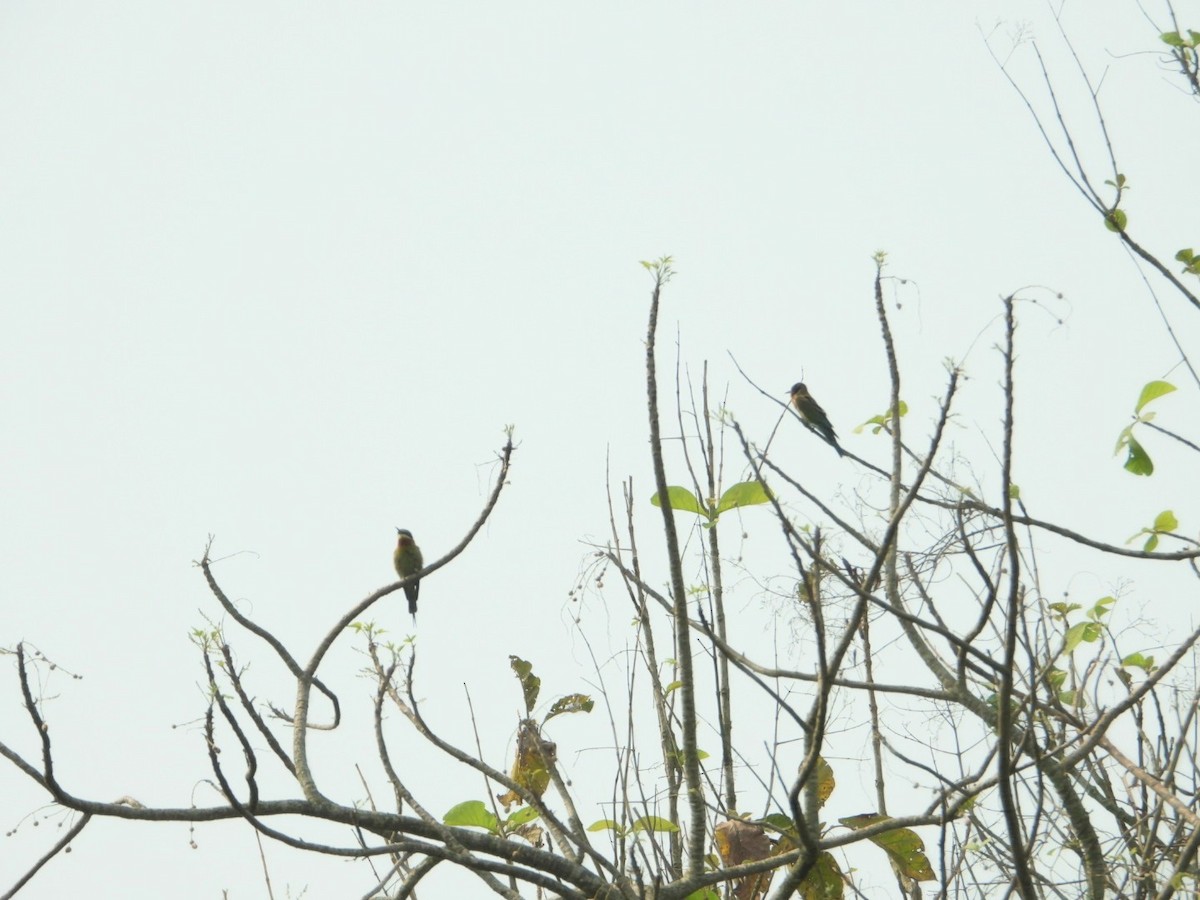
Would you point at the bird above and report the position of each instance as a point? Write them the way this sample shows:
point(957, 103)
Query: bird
point(811, 412)
point(408, 561)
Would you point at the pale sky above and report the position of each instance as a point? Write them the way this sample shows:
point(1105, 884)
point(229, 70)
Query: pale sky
point(283, 274)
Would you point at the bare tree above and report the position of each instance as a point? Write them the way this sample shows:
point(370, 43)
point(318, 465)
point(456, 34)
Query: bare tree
point(1009, 741)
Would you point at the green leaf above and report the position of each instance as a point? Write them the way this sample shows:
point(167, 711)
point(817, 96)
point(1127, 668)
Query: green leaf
point(661, 267)
point(1138, 661)
point(824, 881)
point(572, 703)
point(1123, 439)
point(779, 822)
point(993, 700)
point(878, 423)
point(1165, 521)
point(1191, 262)
point(1014, 492)
point(679, 756)
point(1173, 38)
point(472, 814)
point(1138, 461)
point(704, 893)
point(605, 825)
point(1074, 637)
point(1152, 391)
point(1116, 220)
point(1078, 634)
point(862, 820)
point(521, 816)
point(673, 686)
point(654, 823)
point(1101, 608)
point(747, 493)
point(530, 683)
point(681, 499)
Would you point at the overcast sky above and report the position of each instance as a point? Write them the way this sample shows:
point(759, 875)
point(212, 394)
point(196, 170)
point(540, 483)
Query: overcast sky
point(283, 273)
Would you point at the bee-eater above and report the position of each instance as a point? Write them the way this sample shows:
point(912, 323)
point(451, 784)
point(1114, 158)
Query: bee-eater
point(408, 561)
point(811, 412)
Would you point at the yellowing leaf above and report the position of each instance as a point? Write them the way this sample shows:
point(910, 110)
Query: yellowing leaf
point(531, 769)
point(741, 842)
point(738, 842)
point(903, 845)
point(825, 781)
point(571, 703)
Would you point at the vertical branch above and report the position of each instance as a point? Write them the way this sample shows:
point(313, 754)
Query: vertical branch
point(873, 711)
point(885, 563)
point(687, 690)
point(724, 706)
point(1004, 719)
point(667, 743)
point(40, 726)
point(818, 719)
point(891, 577)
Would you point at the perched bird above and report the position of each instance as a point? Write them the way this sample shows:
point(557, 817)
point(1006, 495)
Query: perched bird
point(408, 561)
point(811, 412)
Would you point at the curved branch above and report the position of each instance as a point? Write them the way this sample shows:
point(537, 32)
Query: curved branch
point(273, 642)
point(307, 677)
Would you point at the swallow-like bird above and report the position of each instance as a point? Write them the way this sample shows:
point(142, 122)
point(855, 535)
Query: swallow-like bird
point(812, 414)
point(408, 562)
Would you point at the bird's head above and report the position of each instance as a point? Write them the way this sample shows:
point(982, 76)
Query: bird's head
point(798, 388)
point(404, 536)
